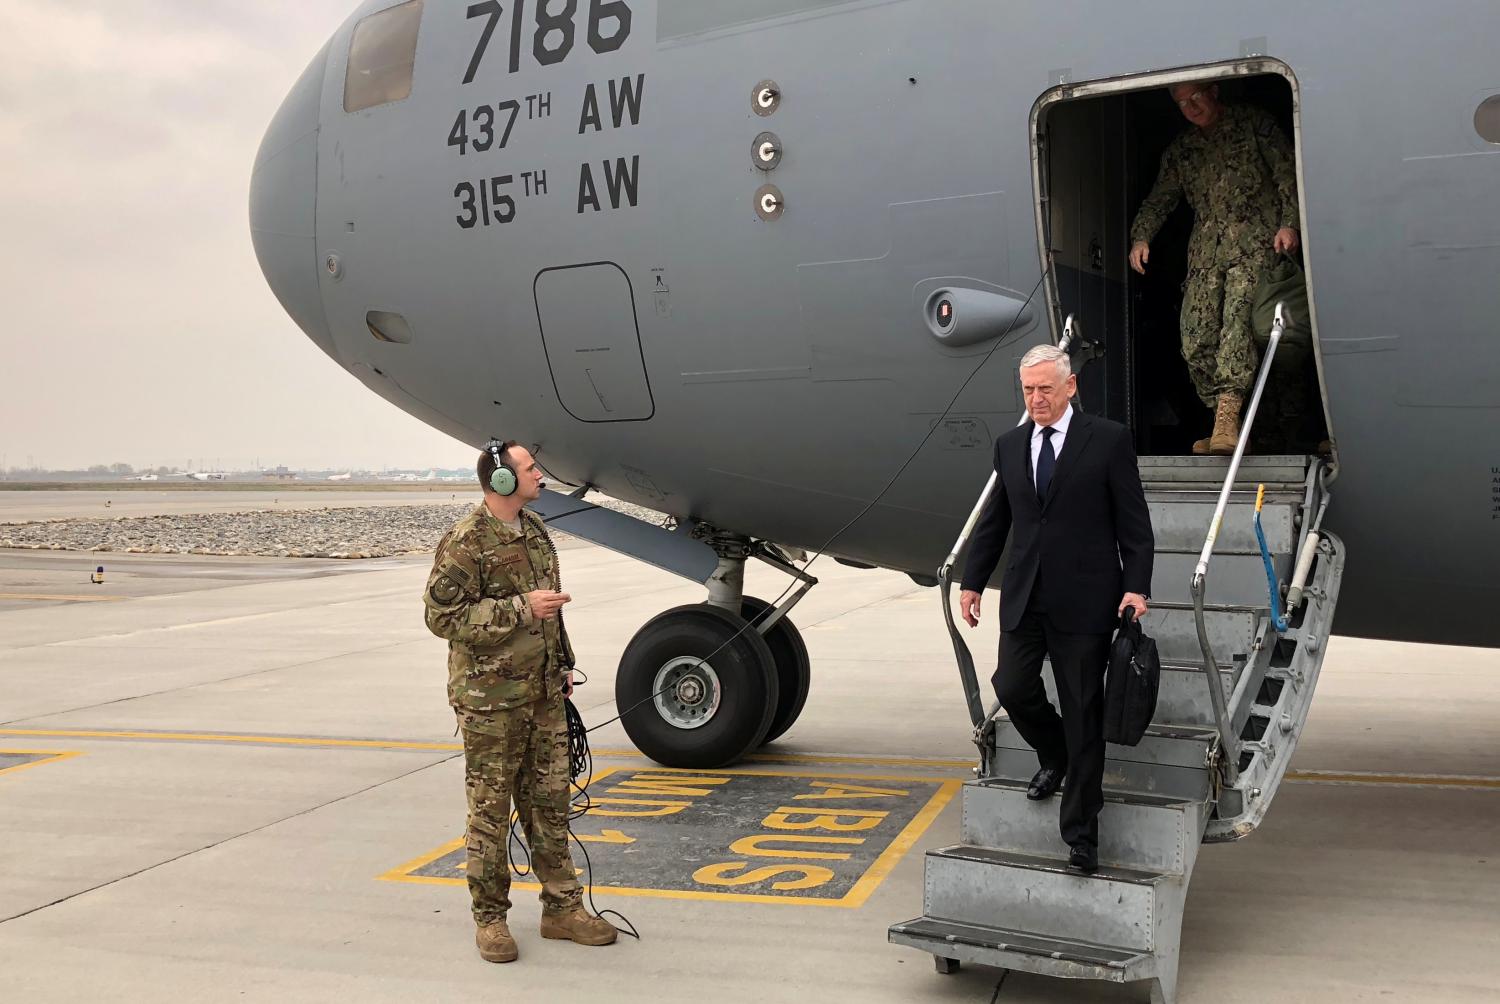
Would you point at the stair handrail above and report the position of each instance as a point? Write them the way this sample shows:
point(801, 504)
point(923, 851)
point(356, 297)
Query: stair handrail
point(966, 671)
point(1229, 743)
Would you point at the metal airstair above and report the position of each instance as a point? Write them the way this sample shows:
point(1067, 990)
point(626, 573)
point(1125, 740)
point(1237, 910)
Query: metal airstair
point(1234, 695)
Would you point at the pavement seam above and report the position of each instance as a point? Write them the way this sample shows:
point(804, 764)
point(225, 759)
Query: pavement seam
point(385, 594)
point(228, 839)
point(206, 683)
point(863, 606)
point(627, 598)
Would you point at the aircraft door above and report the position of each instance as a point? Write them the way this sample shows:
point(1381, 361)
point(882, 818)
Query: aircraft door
point(593, 343)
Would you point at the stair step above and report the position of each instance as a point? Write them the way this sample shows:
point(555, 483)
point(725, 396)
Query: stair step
point(1137, 830)
point(1027, 952)
point(1232, 578)
point(1176, 782)
point(1231, 631)
point(1168, 761)
point(1284, 469)
point(1182, 698)
point(1169, 745)
point(1180, 522)
point(1168, 491)
point(1028, 892)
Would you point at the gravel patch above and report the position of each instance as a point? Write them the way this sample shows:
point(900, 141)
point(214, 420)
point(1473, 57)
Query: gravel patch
point(359, 532)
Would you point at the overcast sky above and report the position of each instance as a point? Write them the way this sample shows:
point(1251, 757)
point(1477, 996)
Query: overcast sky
point(137, 326)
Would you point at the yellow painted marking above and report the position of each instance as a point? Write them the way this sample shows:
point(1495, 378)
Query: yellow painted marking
point(750, 847)
point(1413, 780)
point(211, 737)
point(49, 756)
point(853, 761)
point(856, 897)
point(851, 791)
point(832, 760)
point(604, 837)
point(824, 819)
point(63, 598)
point(663, 807)
point(400, 872)
point(904, 842)
point(812, 875)
point(667, 784)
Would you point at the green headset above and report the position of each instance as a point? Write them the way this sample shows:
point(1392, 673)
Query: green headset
point(503, 481)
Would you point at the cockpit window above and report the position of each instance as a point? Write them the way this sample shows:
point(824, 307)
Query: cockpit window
point(381, 57)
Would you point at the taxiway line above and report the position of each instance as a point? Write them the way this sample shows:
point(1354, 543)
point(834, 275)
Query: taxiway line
point(826, 759)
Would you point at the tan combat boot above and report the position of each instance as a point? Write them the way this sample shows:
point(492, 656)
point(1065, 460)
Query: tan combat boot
point(579, 926)
point(495, 943)
point(1226, 434)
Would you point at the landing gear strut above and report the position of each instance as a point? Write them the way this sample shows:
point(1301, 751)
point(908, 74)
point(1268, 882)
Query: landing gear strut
point(697, 687)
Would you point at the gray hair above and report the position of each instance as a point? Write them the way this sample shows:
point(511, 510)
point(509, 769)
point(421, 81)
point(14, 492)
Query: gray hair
point(1049, 354)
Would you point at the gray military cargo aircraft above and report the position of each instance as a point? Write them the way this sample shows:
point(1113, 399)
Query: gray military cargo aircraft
point(767, 267)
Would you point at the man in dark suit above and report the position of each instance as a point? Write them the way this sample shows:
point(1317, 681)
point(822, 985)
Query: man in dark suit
point(1069, 486)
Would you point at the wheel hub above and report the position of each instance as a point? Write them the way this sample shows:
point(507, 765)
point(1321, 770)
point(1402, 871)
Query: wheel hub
point(686, 692)
point(690, 691)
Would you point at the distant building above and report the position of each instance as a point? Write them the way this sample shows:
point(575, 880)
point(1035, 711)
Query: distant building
point(279, 474)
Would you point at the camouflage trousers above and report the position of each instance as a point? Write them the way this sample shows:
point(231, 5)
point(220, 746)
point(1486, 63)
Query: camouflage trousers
point(1217, 341)
point(519, 755)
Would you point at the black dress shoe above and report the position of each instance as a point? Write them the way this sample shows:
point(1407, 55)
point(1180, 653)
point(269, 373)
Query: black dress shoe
point(1044, 784)
point(1084, 859)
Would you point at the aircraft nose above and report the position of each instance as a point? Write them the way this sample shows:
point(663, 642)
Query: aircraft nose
point(283, 203)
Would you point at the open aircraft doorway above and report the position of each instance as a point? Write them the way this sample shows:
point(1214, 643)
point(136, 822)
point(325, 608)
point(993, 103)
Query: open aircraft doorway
point(1097, 148)
point(1240, 659)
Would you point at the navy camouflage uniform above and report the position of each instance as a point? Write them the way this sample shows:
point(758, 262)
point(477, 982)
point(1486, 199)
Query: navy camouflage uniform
point(1240, 179)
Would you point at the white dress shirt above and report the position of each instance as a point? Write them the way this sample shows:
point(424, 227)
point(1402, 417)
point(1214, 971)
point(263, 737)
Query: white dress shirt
point(1061, 433)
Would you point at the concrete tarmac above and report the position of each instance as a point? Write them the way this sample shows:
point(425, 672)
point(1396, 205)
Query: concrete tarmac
point(212, 784)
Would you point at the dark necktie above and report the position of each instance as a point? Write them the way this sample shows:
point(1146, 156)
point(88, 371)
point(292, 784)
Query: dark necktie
point(1045, 464)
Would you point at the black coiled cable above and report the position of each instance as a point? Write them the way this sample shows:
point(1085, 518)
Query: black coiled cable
point(580, 764)
point(580, 760)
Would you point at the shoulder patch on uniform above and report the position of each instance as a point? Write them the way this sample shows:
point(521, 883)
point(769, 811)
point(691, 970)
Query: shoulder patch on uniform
point(444, 591)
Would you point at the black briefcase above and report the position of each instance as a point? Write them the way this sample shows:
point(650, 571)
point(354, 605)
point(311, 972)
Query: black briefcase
point(1131, 686)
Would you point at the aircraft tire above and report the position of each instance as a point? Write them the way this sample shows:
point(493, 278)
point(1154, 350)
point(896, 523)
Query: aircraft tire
point(793, 668)
point(678, 714)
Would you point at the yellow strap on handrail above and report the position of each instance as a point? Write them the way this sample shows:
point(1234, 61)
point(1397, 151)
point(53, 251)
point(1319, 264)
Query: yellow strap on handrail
point(1260, 497)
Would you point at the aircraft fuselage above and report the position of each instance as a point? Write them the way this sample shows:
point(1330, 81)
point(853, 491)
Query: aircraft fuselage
point(570, 216)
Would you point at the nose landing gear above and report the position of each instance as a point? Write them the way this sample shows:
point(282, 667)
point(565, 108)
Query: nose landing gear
point(697, 687)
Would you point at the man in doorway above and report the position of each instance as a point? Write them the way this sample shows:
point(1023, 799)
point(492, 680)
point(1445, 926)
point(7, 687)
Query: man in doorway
point(1069, 486)
point(1238, 173)
point(495, 595)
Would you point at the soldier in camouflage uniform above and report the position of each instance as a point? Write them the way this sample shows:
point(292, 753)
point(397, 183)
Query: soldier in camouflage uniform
point(494, 595)
point(1238, 173)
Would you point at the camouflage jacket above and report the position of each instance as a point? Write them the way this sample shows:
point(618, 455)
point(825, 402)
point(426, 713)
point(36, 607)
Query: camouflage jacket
point(499, 655)
point(1240, 179)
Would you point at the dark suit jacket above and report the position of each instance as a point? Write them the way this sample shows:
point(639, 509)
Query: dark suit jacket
point(1091, 539)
